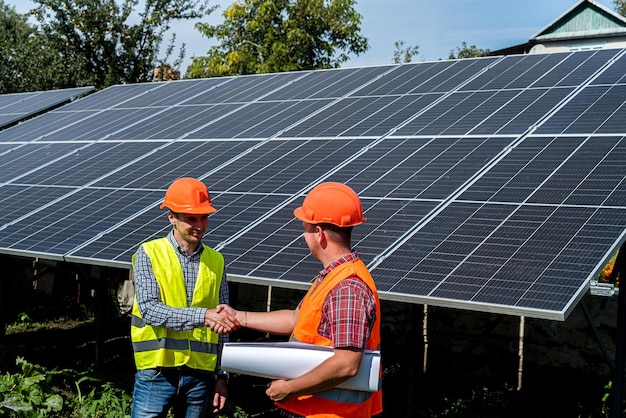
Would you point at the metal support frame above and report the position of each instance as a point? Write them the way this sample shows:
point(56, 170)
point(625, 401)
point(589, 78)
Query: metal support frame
point(3, 325)
point(520, 352)
point(425, 337)
point(619, 270)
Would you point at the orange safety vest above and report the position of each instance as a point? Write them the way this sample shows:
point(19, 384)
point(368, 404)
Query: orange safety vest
point(334, 403)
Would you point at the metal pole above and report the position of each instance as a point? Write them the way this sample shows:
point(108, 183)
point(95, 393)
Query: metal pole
point(2, 307)
point(618, 380)
point(520, 352)
point(619, 269)
point(425, 335)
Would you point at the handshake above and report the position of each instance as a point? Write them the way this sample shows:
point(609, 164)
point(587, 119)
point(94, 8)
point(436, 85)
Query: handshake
point(223, 319)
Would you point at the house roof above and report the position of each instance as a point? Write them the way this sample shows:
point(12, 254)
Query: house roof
point(585, 19)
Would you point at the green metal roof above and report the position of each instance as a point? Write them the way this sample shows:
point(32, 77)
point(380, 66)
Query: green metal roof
point(585, 19)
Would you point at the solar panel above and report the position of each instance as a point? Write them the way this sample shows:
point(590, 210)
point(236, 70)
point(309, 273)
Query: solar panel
point(492, 184)
point(18, 106)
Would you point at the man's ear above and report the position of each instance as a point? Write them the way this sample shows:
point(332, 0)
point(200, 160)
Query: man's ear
point(321, 236)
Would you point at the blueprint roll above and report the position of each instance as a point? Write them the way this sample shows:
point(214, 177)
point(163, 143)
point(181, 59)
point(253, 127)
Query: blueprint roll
point(288, 360)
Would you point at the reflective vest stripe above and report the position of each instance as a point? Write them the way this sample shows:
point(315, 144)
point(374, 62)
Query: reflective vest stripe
point(171, 344)
point(136, 321)
point(343, 395)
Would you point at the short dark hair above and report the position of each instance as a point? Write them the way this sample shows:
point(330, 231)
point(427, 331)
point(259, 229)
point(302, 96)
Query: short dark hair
point(339, 233)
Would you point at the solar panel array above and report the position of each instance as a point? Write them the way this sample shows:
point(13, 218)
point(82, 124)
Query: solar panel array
point(495, 184)
point(15, 107)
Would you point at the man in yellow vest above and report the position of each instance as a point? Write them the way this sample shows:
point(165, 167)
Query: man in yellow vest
point(175, 327)
point(341, 309)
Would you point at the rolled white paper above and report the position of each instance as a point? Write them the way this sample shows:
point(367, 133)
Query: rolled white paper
point(288, 360)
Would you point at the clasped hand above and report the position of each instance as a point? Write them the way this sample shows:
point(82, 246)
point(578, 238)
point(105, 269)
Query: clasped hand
point(221, 319)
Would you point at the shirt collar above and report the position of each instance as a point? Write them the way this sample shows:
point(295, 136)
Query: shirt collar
point(345, 259)
point(176, 245)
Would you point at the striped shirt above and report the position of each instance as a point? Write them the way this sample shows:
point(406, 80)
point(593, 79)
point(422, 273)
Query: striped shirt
point(155, 312)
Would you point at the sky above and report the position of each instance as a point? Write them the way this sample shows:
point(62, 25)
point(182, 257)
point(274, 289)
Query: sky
point(436, 26)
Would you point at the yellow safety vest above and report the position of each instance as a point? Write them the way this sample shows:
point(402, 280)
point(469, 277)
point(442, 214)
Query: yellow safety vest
point(161, 347)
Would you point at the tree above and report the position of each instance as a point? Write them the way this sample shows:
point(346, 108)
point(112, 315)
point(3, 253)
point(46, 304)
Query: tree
point(402, 54)
point(25, 61)
point(98, 46)
point(263, 36)
point(465, 51)
point(620, 6)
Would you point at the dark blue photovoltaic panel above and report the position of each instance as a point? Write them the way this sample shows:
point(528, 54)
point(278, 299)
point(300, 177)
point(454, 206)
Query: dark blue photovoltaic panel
point(234, 213)
point(17, 106)
point(120, 244)
point(89, 212)
point(597, 109)
point(258, 120)
point(284, 256)
point(589, 176)
point(176, 122)
point(170, 161)
point(502, 254)
point(275, 248)
point(366, 116)
point(493, 184)
point(327, 84)
point(37, 128)
point(522, 113)
point(100, 125)
point(111, 96)
point(283, 166)
point(167, 94)
point(431, 77)
point(542, 70)
point(615, 75)
point(424, 168)
point(245, 89)
point(18, 201)
point(509, 112)
point(85, 164)
point(28, 157)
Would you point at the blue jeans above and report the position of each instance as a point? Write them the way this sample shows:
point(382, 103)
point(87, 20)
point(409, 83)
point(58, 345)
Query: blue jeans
point(188, 392)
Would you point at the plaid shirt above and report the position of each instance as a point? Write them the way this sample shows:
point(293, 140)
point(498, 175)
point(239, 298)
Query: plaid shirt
point(152, 309)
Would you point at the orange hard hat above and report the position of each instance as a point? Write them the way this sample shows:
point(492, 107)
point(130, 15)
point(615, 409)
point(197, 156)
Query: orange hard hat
point(332, 203)
point(188, 195)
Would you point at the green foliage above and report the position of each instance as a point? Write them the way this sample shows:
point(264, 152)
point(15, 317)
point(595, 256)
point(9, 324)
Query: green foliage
point(265, 36)
point(29, 393)
point(465, 51)
point(89, 42)
point(23, 323)
point(238, 413)
point(103, 400)
point(36, 392)
point(404, 54)
point(100, 47)
point(620, 6)
point(26, 64)
point(605, 406)
point(482, 402)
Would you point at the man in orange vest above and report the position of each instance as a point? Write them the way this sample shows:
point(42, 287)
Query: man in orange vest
point(341, 309)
